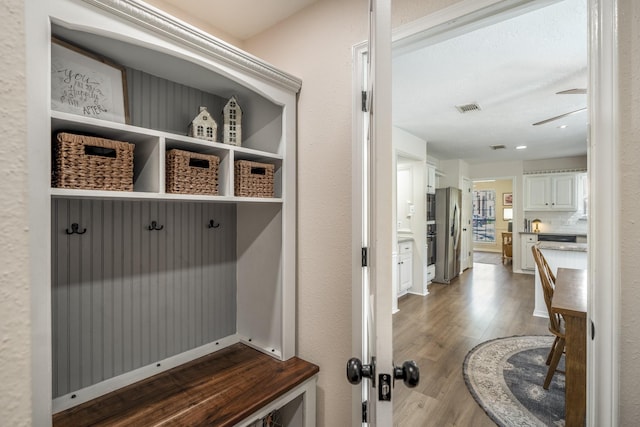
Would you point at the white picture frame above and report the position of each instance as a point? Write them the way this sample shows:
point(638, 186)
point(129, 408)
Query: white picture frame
point(86, 84)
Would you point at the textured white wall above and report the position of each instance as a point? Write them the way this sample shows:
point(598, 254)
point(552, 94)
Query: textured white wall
point(629, 57)
point(15, 310)
point(315, 45)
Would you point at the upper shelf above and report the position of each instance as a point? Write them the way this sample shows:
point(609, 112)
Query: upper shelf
point(70, 122)
point(165, 91)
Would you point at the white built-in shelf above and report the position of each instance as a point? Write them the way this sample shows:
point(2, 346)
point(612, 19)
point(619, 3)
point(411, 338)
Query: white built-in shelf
point(149, 161)
point(66, 193)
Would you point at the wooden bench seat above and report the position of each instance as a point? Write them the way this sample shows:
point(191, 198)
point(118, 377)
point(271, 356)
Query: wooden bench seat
point(220, 389)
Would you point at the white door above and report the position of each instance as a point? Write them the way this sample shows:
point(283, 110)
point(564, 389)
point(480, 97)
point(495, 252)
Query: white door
point(466, 257)
point(371, 369)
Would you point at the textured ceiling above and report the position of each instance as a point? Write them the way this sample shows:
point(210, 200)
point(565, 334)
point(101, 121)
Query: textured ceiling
point(512, 70)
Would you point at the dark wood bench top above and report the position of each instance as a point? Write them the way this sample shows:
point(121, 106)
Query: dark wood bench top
point(220, 389)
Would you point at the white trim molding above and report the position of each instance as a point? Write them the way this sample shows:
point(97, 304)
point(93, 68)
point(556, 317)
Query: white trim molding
point(603, 373)
point(457, 19)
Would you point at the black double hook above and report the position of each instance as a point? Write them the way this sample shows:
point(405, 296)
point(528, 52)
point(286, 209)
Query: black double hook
point(75, 229)
point(213, 224)
point(154, 226)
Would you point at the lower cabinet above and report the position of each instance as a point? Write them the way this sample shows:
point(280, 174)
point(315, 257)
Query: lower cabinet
point(405, 267)
point(431, 273)
point(528, 240)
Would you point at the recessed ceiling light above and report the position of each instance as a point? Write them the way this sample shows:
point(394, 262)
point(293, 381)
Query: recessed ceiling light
point(521, 147)
point(562, 126)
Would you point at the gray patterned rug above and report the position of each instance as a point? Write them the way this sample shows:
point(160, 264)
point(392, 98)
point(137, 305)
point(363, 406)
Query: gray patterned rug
point(505, 377)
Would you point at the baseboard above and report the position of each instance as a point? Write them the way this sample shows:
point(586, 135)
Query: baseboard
point(541, 313)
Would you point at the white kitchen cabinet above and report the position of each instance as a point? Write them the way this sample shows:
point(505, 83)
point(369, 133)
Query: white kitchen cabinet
point(405, 267)
point(550, 192)
point(527, 241)
point(431, 180)
point(124, 301)
point(431, 273)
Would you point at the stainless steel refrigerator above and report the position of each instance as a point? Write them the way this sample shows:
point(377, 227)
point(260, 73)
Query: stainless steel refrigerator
point(448, 218)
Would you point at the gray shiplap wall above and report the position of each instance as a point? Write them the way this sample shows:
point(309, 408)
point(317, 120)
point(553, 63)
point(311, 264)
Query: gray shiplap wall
point(157, 103)
point(124, 297)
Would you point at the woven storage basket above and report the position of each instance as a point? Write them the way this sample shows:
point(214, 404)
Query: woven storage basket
point(192, 173)
point(253, 179)
point(93, 163)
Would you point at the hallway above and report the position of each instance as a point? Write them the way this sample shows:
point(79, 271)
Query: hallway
point(437, 331)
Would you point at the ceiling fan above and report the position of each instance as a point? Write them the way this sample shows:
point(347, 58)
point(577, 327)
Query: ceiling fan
point(576, 91)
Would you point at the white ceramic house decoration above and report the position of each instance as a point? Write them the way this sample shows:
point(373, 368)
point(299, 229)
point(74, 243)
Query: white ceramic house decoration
point(232, 130)
point(203, 126)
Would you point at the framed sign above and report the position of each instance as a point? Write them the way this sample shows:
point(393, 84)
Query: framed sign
point(85, 84)
point(507, 199)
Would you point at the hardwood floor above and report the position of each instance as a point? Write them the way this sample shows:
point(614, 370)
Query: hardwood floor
point(437, 331)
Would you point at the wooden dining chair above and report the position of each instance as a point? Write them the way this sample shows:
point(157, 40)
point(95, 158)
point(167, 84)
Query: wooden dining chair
point(507, 246)
point(556, 323)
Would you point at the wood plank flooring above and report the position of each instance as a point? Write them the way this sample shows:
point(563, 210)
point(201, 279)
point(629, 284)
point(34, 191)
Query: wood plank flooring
point(437, 331)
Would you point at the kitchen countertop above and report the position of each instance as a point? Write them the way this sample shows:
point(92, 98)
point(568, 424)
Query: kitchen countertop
point(555, 234)
point(563, 246)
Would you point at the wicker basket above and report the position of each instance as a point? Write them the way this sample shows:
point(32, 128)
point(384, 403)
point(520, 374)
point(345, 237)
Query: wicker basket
point(88, 162)
point(192, 173)
point(253, 179)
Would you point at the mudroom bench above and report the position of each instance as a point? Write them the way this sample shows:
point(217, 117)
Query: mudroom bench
point(236, 386)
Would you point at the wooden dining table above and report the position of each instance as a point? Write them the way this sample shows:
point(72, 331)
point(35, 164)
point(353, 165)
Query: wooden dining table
point(570, 300)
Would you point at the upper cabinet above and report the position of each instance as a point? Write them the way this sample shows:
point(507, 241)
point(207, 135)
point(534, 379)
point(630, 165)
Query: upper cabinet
point(550, 192)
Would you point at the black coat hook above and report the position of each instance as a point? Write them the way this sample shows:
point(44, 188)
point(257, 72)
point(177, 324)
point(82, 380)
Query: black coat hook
point(75, 229)
point(154, 226)
point(213, 224)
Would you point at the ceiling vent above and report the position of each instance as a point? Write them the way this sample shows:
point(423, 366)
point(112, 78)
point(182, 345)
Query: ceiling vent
point(468, 108)
point(498, 147)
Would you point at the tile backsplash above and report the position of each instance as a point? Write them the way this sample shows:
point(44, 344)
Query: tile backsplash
point(559, 222)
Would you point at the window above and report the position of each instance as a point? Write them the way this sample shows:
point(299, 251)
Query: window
point(484, 216)
point(200, 130)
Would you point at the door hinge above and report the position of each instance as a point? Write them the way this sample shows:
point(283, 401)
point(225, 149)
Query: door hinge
point(365, 411)
point(365, 257)
point(364, 101)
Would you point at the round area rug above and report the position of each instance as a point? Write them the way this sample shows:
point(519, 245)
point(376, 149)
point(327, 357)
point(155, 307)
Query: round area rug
point(505, 376)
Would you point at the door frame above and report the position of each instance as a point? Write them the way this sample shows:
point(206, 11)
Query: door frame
point(467, 229)
point(604, 141)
